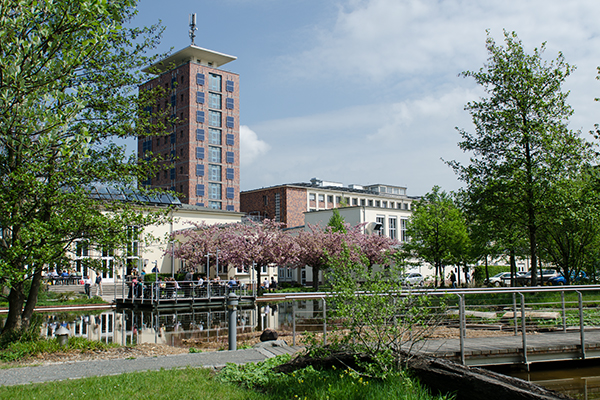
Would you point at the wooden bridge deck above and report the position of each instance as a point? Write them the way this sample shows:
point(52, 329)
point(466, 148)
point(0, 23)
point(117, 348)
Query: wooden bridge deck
point(541, 347)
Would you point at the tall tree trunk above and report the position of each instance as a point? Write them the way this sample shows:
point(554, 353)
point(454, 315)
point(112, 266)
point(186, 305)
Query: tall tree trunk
point(513, 268)
point(32, 298)
point(16, 298)
point(315, 283)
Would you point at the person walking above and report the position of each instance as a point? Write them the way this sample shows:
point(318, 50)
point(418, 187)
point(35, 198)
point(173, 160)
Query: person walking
point(87, 283)
point(99, 284)
point(453, 279)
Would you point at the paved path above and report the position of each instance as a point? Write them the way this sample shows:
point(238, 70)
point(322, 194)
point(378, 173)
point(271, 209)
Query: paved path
point(84, 369)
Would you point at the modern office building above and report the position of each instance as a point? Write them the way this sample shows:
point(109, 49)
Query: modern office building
point(287, 203)
point(202, 147)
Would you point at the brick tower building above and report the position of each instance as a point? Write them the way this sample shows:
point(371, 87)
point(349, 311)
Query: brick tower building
point(202, 148)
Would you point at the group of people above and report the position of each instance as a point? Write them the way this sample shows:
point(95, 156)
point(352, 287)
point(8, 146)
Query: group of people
point(269, 286)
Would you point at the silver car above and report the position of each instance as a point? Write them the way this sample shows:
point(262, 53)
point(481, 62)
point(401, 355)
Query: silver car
point(412, 279)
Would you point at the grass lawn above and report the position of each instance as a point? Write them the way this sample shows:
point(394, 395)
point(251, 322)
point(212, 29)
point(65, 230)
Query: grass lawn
point(191, 383)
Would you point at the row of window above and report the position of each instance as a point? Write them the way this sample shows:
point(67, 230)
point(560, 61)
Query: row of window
point(392, 227)
point(215, 82)
point(214, 137)
point(214, 119)
point(214, 155)
point(214, 100)
point(356, 201)
point(214, 172)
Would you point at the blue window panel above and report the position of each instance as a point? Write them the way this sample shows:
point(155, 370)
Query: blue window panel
point(229, 157)
point(148, 109)
point(173, 138)
point(230, 122)
point(230, 193)
point(173, 82)
point(199, 190)
point(200, 117)
point(200, 97)
point(200, 135)
point(229, 174)
point(200, 204)
point(229, 103)
point(173, 100)
point(214, 118)
point(172, 154)
point(200, 79)
point(230, 208)
point(172, 173)
point(229, 85)
point(173, 119)
point(200, 153)
point(229, 140)
point(199, 169)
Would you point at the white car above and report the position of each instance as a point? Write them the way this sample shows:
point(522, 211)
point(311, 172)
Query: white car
point(412, 279)
point(501, 279)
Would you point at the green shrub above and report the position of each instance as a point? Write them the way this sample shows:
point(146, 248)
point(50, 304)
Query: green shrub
point(479, 273)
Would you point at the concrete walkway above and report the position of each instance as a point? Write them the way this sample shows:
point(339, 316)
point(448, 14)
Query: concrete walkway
point(84, 369)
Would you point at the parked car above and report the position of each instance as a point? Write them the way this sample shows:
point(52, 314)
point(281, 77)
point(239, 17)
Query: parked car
point(412, 279)
point(560, 280)
point(546, 274)
point(501, 279)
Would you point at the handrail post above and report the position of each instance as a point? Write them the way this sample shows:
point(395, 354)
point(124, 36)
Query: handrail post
point(461, 327)
point(524, 332)
point(293, 323)
point(581, 325)
point(515, 320)
point(564, 314)
point(324, 322)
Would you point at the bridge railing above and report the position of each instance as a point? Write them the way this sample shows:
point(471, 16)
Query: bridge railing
point(519, 311)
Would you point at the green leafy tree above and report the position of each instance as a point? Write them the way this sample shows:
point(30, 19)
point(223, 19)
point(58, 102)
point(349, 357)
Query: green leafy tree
point(521, 143)
point(68, 87)
point(337, 222)
point(570, 230)
point(437, 232)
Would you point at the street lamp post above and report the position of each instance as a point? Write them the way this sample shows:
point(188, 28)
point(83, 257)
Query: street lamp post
point(208, 265)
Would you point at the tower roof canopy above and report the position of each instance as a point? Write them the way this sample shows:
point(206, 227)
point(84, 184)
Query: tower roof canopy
point(190, 53)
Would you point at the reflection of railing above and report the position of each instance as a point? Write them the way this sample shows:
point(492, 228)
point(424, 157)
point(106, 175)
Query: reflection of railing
point(176, 291)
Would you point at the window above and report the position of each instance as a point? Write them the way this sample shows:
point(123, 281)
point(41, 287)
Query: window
point(230, 193)
point(338, 199)
point(230, 139)
point(214, 118)
point(230, 122)
point(403, 237)
point(200, 117)
point(214, 191)
point(377, 203)
point(392, 227)
point(200, 153)
point(133, 237)
point(406, 206)
point(200, 190)
point(362, 202)
point(381, 220)
point(370, 203)
point(173, 138)
point(172, 173)
point(214, 100)
point(229, 157)
point(230, 208)
point(214, 154)
point(214, 172)
point(214, 82)
point(173, 100)
point(229, 174)
point(355, 201)
point(214, 136)
point(229, 103)
point(200, 79)
point(312, 197)
point(199, 169)
point(200, 135)
point(215, 205)
point(384, 204)
point(229, 86)
point(200, 97)
point(330, 199)
point(322, 198)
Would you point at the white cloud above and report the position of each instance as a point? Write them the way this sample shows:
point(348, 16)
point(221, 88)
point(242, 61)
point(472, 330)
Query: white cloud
point(251, 147)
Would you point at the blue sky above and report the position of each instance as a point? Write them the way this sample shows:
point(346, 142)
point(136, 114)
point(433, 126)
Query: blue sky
point(367, 91)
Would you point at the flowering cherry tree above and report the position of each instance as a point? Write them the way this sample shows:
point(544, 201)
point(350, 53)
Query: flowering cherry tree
point(198, 242)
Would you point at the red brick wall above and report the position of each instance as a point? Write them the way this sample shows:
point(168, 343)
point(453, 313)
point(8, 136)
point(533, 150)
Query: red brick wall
point(292, 204)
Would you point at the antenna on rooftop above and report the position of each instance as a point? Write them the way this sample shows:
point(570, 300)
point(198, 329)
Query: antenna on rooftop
point(193, 28)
